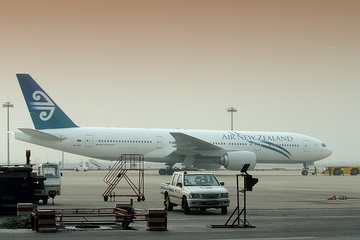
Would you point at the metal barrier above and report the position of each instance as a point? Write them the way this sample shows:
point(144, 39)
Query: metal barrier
point(122, 213)
point(50, 219)
point(85, 215)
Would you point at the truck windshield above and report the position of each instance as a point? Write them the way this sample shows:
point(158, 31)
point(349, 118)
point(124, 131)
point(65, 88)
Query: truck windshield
point(200, 180)
point(50, 171)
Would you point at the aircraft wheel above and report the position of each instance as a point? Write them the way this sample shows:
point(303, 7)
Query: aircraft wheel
point(162, 171)
point(169, 171)
point(304, 172)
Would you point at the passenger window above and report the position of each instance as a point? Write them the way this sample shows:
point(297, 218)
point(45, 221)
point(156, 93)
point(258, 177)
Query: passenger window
point(175, 180)
point(179, 180)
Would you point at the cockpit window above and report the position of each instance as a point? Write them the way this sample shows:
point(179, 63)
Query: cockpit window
point(323, 144)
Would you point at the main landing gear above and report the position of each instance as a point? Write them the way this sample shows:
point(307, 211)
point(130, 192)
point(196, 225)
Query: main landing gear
point(169, 170)
point(166, 171)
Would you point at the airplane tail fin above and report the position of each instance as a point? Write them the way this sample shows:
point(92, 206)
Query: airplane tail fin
point(44, 112)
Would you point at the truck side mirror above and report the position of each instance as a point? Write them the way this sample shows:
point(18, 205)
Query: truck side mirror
point(222, 183)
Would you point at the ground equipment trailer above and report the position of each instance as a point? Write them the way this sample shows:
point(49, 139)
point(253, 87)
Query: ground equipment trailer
point(342, 170)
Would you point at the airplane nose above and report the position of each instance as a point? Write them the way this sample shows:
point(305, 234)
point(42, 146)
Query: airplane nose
point(327, 152)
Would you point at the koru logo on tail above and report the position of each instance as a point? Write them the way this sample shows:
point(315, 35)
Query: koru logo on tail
point(47, 107)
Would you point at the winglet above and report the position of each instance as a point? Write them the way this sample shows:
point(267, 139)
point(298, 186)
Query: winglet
point(44, 112)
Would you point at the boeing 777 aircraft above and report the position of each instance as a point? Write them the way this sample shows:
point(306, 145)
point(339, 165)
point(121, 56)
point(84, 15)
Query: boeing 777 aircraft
point(200, 149)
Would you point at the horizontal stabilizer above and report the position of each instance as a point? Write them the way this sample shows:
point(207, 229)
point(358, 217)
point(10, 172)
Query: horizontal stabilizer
point(41, 135)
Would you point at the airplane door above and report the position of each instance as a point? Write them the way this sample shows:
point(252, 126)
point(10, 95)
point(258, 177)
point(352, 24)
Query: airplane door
point(88, 141)
point(306, 146)
point(159, 142)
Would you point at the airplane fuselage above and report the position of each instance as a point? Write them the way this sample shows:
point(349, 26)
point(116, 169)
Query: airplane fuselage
point(157, 144)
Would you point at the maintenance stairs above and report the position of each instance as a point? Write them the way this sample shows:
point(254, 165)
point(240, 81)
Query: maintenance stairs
point(119, 171)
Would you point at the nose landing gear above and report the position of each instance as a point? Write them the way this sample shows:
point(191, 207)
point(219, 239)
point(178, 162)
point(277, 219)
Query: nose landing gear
point(305, 170)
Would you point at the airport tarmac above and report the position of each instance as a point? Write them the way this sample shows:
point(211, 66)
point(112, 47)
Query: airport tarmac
point(283, 205)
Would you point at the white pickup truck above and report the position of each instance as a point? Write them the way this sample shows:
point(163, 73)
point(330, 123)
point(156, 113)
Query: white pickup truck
point(195, 190)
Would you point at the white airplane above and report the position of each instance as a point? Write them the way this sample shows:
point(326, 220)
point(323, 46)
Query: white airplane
point(201, 149)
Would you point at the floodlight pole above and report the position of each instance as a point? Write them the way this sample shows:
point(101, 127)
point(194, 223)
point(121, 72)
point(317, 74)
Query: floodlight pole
point(232, 110)
point(8, 105)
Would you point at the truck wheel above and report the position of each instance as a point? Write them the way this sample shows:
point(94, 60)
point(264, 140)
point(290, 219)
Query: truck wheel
point(337, 171)
point(354, 171)
point(167, 203)
point(224, 210)
point(45, 201)
point(186, 206)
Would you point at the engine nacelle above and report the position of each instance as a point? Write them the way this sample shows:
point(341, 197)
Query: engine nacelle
point(237, 160)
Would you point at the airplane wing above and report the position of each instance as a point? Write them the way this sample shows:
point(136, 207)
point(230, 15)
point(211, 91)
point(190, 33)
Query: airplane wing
point(41, 135)
point(187, 143)
point(192, 148)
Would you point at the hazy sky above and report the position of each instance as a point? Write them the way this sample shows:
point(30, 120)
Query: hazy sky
point(286, 65)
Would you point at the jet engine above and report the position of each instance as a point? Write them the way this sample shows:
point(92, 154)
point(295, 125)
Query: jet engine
point(236, 160)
